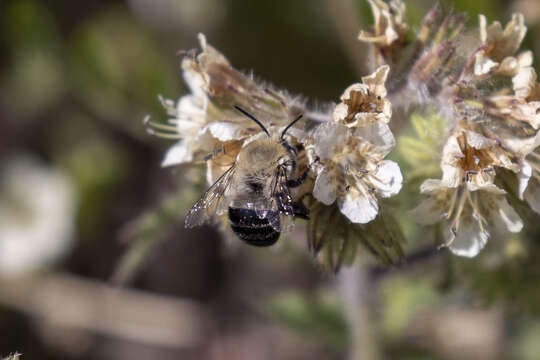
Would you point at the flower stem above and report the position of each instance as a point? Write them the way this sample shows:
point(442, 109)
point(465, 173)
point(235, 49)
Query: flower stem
point(356, 291)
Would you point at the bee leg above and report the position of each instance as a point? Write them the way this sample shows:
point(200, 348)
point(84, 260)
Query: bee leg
point(300, 210)
point(292, 152)
point(298, 181)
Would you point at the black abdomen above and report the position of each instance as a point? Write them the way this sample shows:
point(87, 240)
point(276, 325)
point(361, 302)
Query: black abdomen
point(251, 228)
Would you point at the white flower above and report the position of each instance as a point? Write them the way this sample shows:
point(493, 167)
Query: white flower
point(351, 170)
point(350, 151)
point(365, 102)
point(500, 46)
point(526, 106)
point(467, 208)
point(472, 155)
point(466, 197)
point(37, 216)
point(205, 121)
point(390, 25)
point(199, 124)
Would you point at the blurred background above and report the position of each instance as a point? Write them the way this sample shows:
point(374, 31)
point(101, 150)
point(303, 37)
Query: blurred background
point(84, 203)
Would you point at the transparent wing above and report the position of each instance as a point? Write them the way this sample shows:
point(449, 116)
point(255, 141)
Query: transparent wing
point(212, 202)
point(282, 220)
point(281, 193)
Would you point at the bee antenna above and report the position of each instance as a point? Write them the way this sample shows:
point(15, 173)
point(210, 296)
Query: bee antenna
point(252, 118)
point(288, 126)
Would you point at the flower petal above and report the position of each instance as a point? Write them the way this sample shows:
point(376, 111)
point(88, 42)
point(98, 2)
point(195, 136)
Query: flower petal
point(341, 111)
point(427, 212)
point(451, 175)
point(478, 141)
point(389, 23)
point(525, 58)
point(359, 207)
point(193, 77)
point(378, 134)
point(524, 176)
point(430, 185)
point(532, 195)
point(485, 186)
point(177, 154)
point(483, 65)
point(521, 146)
point(509, 216)
point(529, 112)
point(192, 107)
point(226, 131)
point(328, 137)
point(387, 178)
point(376, 80)
point(524, 82)
point(469, 240)
point(324, 189)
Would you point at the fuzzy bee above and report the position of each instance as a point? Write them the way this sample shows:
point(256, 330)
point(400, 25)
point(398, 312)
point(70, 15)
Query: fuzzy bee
point(256, 191)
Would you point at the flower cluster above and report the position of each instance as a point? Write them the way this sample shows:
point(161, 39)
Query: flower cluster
point(389, 33)
point(205, 122)
point(486, 91)
point(482, 86)
point(342, 150)
point(351, 149)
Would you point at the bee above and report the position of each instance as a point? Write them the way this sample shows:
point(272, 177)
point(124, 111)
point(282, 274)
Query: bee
point(255, 190)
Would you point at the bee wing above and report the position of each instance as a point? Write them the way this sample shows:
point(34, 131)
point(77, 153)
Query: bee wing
point(211, 202)
point(281, 201)
point(281, 193)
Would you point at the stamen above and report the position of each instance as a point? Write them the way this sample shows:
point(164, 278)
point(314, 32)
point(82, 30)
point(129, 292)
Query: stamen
point(156, 125)
point(153, 128)
point(163, 134)
point(452, 204)
point(473, 200)
point(461, 205)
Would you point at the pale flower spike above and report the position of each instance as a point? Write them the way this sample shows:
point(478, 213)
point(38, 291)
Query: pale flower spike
point(335, 170)
point(491, 124)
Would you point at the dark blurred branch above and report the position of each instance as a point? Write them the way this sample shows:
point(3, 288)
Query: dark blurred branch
point(420, 256)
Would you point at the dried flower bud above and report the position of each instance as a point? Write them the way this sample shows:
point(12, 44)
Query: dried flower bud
point(389, 33)
point(206, 122)
point(499, 47)
point(365, 103)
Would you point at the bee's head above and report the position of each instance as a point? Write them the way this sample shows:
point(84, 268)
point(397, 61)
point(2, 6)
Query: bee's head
point(282, 136)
